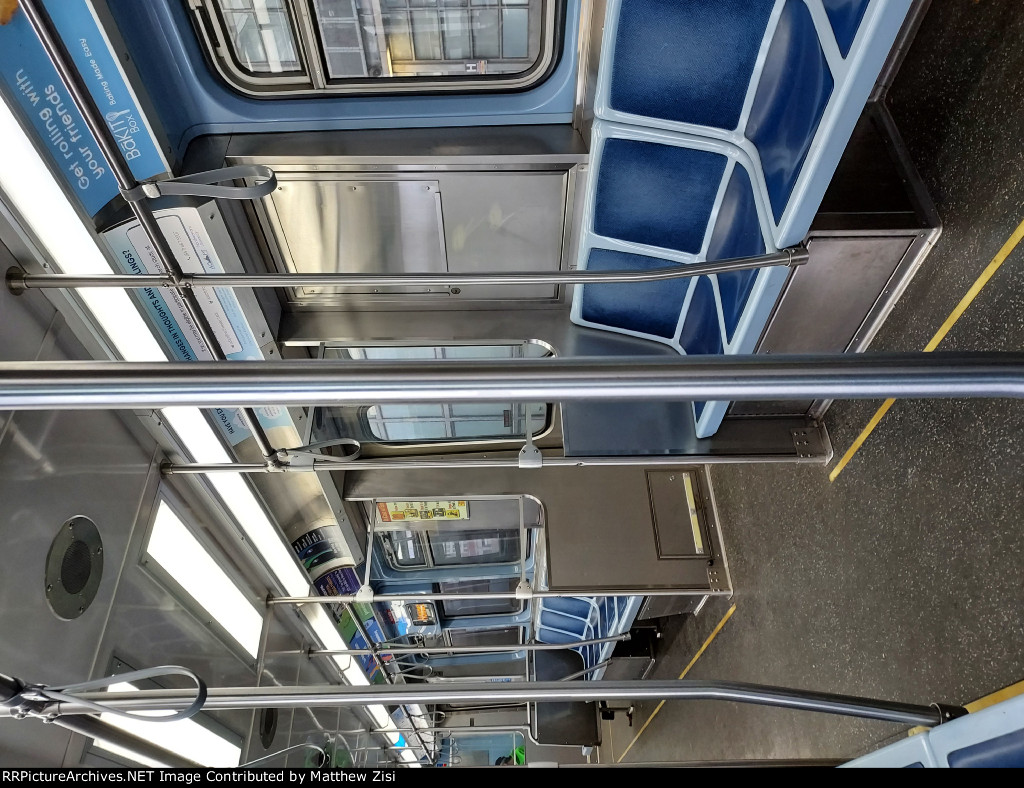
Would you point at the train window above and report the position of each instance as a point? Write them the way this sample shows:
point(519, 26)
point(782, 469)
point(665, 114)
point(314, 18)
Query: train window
point(500, 636)
point(405, 549)
point(452, 608)
point(491, 546)
point(261, 35)
point(445, 533)
point(431, 423)
point(344, 46)
point(436, 423)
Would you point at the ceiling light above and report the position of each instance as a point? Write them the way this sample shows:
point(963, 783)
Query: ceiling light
point(173, 547)
point(186, 738)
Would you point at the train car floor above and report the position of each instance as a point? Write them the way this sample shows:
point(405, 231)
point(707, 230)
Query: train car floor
point(900, 577)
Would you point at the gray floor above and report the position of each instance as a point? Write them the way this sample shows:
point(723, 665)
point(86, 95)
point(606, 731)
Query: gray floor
point(903, 579)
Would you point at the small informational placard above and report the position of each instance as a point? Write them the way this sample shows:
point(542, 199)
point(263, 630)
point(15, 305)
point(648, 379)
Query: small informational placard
point(420, 511)
point(165, 310)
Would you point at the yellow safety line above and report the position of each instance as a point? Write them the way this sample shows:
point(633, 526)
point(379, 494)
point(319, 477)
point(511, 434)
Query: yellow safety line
point(996, 697)
point(982, 703)
point(966, 301)
point(686, 670)
point(611, 739)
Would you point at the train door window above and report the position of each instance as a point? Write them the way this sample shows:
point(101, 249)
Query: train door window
point(435, 423)
point(345, 46)
point(435, 547)
point(458, 608)
point(434, 534)
point(261, 35)
point(491, 546)
point(499, 636)
point(406, 549)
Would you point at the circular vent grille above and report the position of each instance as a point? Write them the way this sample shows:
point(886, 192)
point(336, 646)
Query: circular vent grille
point(74, 568)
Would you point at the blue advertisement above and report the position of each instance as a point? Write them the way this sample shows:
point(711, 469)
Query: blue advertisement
point(36, 89)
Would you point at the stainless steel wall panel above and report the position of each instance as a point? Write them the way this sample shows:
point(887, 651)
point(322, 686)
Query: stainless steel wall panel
point(54, 466)
point(504, 222)
point(358, 226)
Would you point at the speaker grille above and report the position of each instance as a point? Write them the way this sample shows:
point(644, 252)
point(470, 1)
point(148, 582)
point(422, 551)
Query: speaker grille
point(75, 567)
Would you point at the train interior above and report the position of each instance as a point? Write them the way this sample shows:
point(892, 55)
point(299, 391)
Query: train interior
point(469, 185)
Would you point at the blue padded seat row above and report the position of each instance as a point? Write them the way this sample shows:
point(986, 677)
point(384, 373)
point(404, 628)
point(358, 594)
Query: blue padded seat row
point(660, 199)
point(657, 195)
point(718, 126)
point(568, 619)
point(578, 607)
point(785, 80)
point(792, 92)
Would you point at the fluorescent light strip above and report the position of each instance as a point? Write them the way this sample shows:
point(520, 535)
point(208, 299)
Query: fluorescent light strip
point(128, 755)
point(202, 443)
point(42, 204)
point(186, 738)
point(174, 548)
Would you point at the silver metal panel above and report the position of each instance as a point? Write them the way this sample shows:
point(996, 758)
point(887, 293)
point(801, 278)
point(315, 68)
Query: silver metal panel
point(54, 466)
point(827, 301)
point(358, 226)
point(505, 222)
point(507, 196)
point(405, 149)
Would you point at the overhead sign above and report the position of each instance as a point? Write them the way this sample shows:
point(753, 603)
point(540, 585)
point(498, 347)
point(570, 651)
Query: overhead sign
point(33, 85)
point(420, 511)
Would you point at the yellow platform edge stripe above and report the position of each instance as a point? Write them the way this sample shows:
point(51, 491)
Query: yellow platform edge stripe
point(700, 651)
point(966, 301)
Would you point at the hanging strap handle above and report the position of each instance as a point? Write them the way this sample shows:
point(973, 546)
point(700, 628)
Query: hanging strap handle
point(204, 184)
point(66, 694)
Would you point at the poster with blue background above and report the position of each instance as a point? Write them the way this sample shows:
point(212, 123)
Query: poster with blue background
point(32, 84)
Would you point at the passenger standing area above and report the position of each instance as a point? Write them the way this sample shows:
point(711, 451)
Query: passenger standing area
point(718, 127)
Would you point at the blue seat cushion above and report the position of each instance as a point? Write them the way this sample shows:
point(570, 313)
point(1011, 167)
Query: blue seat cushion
point(688, 61)
point(737, 233)
point(701, 334)
point(845, 17)
point(791, 96)
point(657, 195)
point(643, 307)
point(580, 608)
